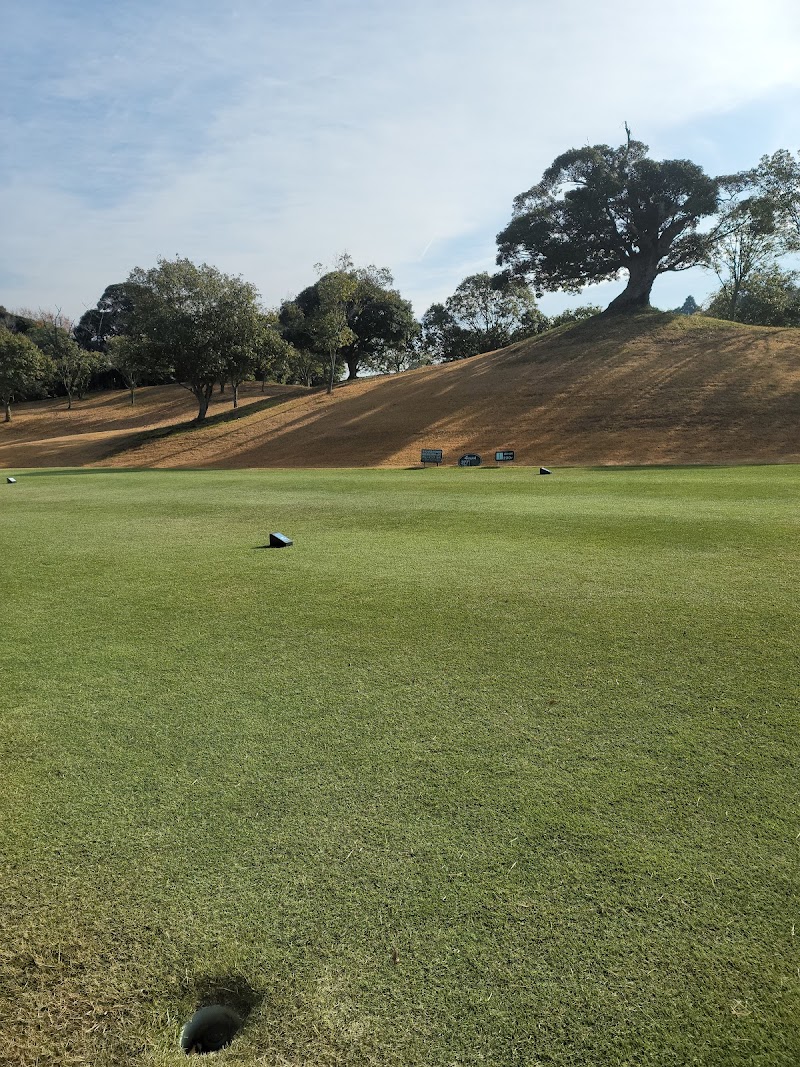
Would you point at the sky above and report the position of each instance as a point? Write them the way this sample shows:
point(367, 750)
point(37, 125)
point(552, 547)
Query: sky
point(266, 137)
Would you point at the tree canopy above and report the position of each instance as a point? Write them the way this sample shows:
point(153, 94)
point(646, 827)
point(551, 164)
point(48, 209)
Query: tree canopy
point(190, 321)
point(688, 307)
point(769, 297)
point(317, 321)
point(72, 365)
point(578, 314)
point(378, 319)
point(484, 313)
point(108, 319)
point(22, 364)
point(129, 360)
point(776, 183)
point(599, 212)
point(274, 354)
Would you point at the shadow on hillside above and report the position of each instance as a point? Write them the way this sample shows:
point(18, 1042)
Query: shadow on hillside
point(644, 389)
point(585, 395)
point(45, 434)
point(156, 406)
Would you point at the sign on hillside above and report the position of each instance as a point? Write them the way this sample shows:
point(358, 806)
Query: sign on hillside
point(431, 455)
point(470, 460)
point(504, 457)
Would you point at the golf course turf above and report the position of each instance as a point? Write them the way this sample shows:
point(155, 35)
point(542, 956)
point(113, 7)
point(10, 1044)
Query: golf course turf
point(488, 768)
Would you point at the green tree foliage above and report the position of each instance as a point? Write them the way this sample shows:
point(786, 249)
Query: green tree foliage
point(108, 319)
point(396, 360)
point(72, 365)
point(378, 318)
point(599, 212)
point(327, 322)
point(688, 307)
point(241, 362)
point(275, 355)
point(16, 321)
point(315, 324)
point(194, 324)
point(776, 180)
point(484, 313)
point(579, 314)
point(22, 365)
point(769, 297)
point(129, 360)
point(306, 367)
point(748, 243)
point(382, 322)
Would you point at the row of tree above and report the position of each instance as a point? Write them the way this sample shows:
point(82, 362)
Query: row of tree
point(40, 353)
point(597, 214)
point(191, 324)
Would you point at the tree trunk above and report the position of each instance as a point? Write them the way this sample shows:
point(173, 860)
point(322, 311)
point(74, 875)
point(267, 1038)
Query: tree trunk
point(69, 400)
point(202, 394)
point(132, 389)
point(7, 405)
point(333, 372)
point(353, 363)
point(235, 395)
point(735, 299)
point(636, 294)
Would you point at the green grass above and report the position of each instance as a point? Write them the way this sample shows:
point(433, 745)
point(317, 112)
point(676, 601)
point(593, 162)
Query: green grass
point(488, 768)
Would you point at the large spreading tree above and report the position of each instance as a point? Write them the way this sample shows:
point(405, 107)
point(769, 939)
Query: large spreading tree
point(191, 323)
point(602, 212)
point(375, 319)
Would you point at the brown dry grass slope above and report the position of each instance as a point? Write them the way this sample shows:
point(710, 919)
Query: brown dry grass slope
point(653, 388)
point(46, 434)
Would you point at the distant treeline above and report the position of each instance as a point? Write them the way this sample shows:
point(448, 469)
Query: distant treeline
point(598, 213)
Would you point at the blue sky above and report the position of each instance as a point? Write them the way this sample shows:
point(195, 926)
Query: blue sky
point(266, 137)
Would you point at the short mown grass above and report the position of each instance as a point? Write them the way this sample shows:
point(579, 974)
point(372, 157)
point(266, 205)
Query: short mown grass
point(489, 768)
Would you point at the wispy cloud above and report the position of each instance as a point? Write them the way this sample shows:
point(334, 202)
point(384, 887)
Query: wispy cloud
point(272, 136)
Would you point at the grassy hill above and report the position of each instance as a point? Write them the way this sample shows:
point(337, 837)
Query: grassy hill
point(653, 388)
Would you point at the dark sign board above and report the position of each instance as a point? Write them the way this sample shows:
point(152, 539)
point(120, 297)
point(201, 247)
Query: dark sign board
point(504, 457)
point(431, 455)
point(470, 460)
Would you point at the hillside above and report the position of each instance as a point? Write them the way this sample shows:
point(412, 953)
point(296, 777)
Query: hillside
point(46, 434)
point(653, 388)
